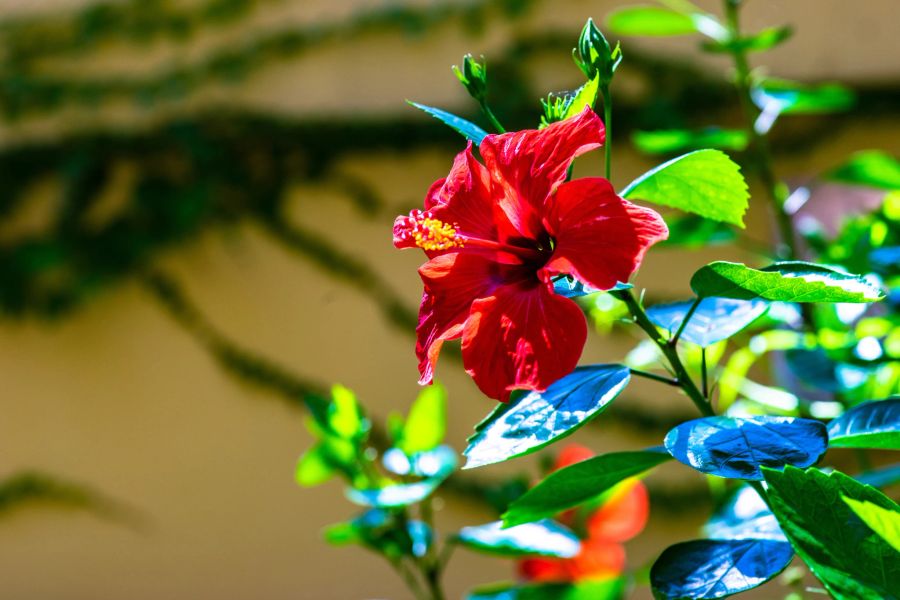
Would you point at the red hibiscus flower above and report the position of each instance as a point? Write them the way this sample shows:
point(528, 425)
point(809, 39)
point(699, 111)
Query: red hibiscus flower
point(496, 234)
point(602, 555)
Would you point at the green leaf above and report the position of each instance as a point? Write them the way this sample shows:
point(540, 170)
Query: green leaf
point(649, 21)
point(314, 468)
point(763, 40)
point(602, 589)
point(790, 97)
point(670, 141)
point(848, 557)
point(563, 105)
point(785, 281)
point(468, 129)
point(345, 416)
point(426, 424)
point(545, 538)
point(693, 231)
point(705, 182)
point(885, 522)
point(531, 421)
point(874, 424)
point(872, 168)
point(579, 483)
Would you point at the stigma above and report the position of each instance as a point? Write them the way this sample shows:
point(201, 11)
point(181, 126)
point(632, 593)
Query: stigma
point(422, 229)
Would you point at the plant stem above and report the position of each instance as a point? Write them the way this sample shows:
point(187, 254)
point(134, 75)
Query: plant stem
point(495, 122)
point(670, 351)
point(407, 576)
point(684, 322)
point(431, 565)
point(655, 377)
point(759, 144)
point(704, 387)
point(607, 123)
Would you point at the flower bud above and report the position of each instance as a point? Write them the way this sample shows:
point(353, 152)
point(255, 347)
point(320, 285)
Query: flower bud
point(594, 55)
point(473, 76)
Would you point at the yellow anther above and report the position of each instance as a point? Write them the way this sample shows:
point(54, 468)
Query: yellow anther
point(429, 233)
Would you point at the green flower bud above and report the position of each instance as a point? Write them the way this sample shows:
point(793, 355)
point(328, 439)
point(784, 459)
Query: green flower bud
point(594, 55)
point(473, 76)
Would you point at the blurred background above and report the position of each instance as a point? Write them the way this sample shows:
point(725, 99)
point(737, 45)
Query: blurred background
point(195, 210)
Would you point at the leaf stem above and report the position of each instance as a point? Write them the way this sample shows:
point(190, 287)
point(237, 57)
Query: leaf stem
point(684, 321)
point(655, 377)
point(704, 386)
point(669, 351)
point(607, 123)
point(495, 122)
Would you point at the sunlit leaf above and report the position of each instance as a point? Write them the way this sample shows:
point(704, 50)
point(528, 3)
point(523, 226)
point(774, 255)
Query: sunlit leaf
point(714, 319)
point(873, 424)
point(469, 130)
point(533, 420)
point(785, 281)
point(885, 522)
point(872, 168)
point(717, 568)
point(670, 141)
point(579, 483)
point(426, 424)
point(845, 554)
point(705, 182)
point(611, 588)
point(544, 538)
point(314, 467)
point(744, 516)
point(649, 21)
point(739, 447)
point(345, 416)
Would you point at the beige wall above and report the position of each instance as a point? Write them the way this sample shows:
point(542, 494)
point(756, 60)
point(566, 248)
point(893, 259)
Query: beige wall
point(121, 398)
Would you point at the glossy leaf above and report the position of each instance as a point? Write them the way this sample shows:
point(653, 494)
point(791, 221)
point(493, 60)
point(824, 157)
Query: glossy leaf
point(845, 554)
point(785, 281)
point(468, 129)
point(872, 168)
point(530, 421)
point(714, 319)
point(885, 522)
point(605, 589)
point(670, 141)
point(544, 538)
point(705, 182)
point(739, 447)
point(579, 483)
point(426, 424)
point(717, 568)
point(744, 516)
point(873, 424)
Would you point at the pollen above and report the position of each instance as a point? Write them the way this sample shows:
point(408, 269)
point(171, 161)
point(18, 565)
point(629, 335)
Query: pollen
point(429, 233)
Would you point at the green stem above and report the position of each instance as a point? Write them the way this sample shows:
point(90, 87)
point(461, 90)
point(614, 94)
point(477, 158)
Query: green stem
point(607, 123)
point(431, 565)
point(655, 377)
point(495, 122)
point(670, 351)
point(408, 578)
point(684, 322)
point(704, 386)
point(759, 144)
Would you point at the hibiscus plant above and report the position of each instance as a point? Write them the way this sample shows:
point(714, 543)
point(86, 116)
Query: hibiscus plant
point(520, 256)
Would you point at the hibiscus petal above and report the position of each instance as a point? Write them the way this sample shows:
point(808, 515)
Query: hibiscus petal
point(598, 559)
point(600, 238)
point(453, 282)
point(528, 165)
point(522, 337)
point(543, 569)
point(623, 516)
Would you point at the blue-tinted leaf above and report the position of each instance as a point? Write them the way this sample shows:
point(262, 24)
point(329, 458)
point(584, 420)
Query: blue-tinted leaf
point(744, 516)
point(403, 494)
point(533, 420)
point(845, 554)
point(868, 425)
point(543, 538)
point(717, 568)
point(420, 537)
point(578, 483)
point(603, 589)
point(714, 320)
point(739, 447)
point(791, 97)
point(880, 478)
point(886, 260)
point(421, 464)
point(792, 281)
point(572, 288)
point(469, 130)
point(379, 529)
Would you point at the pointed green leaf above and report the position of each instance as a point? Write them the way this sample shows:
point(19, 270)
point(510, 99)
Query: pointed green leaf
point(578, 483)
point(426, 424)
point(848, 557)
point(545, 538)
point(885, 522)
point(468, 129)
point(785, 281)
point(705, 182)
point(874, 424)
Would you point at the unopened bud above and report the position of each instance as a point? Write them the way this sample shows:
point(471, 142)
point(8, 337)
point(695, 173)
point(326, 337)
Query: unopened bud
point(594, 56)
point(473, 76)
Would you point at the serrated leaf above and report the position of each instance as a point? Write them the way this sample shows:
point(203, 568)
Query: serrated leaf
point(883, 521)
point(744, 516)
point(792, 281)
point(703, 569)
point(579, 483)
point(872, 168)
point(874, 424)
point(704, 182)
point(426, 424)
point(533, 420)
point(714, 319)
point(469, 130)
point(544, 538)
point(604, 589)
point(848, 557)
point(739, 447)
point(670, 141)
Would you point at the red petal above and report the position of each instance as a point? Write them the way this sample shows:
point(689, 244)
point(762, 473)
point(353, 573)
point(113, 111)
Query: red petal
point(543, 569)
point(623, 516)
point(598, 559)
point(600, 238)
point(528, 165)
point(571, 454)
point(521, 338)
point(452, 282)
